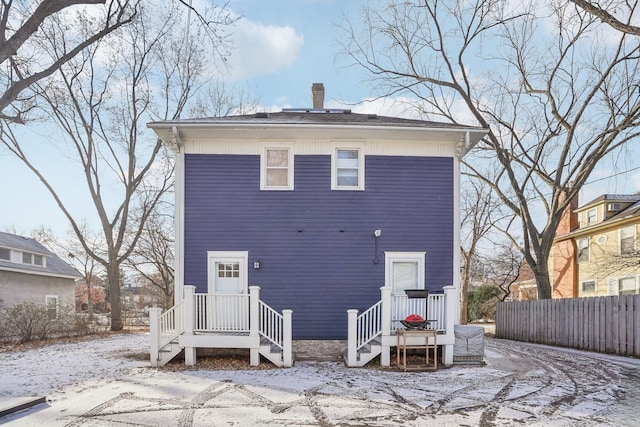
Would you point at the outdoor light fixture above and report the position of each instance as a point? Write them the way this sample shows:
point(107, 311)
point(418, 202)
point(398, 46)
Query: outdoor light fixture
point(377, 233)
point(256, 265)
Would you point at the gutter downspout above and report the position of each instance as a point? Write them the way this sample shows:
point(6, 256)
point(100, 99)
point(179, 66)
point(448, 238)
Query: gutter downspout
point(177, 147)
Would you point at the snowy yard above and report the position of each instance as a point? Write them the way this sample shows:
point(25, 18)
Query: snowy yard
point(103, 381)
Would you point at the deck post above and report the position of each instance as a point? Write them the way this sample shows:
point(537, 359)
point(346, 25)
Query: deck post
point(352, 337)
point(189, 313)
point(287, 335)
point(452, 305)
point(154, 332)
point(254, 324)
point(385, 297)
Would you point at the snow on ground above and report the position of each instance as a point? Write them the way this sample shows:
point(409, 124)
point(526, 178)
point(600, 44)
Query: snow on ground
point(103, 382)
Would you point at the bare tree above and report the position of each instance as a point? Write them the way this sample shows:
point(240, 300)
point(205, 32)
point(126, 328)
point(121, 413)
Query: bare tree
point(100, 100)
point(27, 29)
point(72, 251)
point(607, 13)
point(481, 211)
point(24, 26)
point(556, 95)
point(153, 257)
point(502, 268)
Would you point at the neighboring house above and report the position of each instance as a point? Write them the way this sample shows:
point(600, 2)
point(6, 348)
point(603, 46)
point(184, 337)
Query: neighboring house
point(321, 209)
point(598, 252)
point(31, 273)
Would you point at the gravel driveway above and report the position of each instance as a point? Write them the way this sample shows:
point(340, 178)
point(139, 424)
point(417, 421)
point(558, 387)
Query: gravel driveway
point(520, 384)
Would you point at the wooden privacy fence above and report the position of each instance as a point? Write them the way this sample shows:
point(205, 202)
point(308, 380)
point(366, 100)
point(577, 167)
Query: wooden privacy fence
point(608, 324)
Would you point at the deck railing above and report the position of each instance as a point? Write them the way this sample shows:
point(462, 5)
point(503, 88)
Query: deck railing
point(402, 306)
point(271, 324)
point(171, 324)
point(221, 313)
point(368, 325)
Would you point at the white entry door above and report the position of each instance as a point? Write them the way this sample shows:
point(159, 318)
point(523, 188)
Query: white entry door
point(226, 307)
point(228, 272)
point(404, 270)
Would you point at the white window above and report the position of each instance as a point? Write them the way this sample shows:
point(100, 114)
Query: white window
point(592, 216)
point(588, 286)
point(628, 240)
point(276, 168)
point(33, 259)
point(583, 250)
point(347, 169)
point(627, 286)
point(51, 302)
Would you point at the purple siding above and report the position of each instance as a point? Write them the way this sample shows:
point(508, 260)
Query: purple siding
point(316, 246)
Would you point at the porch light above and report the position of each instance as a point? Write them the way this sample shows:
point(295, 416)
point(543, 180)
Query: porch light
point(256, 265)
point(377, 233)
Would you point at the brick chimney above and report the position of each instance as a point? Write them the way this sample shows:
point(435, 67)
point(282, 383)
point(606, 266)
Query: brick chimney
point(317, 95)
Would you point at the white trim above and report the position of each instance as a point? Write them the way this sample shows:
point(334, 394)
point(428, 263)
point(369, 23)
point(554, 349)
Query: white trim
point(456, 314)
point(46, 303)
point(234, 256)
point(178, 280)
point(320, 146)
point(344, 146)
point(635, 280)
point(290, 167)
point(634, 235)
point(588, 247)
point(391, 257)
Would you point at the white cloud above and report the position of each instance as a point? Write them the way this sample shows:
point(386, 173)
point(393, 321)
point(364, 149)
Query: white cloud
point(262, 49)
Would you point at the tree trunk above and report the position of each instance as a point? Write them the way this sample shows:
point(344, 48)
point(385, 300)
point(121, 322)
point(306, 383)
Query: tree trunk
point(113, 277)
point(464, 297)
point(89, 301)
point(543, 280)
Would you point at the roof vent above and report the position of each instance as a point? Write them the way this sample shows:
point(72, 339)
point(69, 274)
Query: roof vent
point(372, 116)
point(317, 96)
point(263, 115)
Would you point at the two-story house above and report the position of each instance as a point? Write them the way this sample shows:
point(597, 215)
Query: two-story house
point(596, 250)
point(325, 211)
point(31, 273)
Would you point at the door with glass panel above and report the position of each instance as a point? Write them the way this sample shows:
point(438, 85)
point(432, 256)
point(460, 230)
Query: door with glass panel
point(405, 270)
point(226, 306)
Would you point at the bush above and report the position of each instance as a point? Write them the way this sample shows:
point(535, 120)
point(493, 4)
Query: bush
point(28, 321)
point(482, 303)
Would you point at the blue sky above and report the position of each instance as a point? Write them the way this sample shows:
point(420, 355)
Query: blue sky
point(282, 47)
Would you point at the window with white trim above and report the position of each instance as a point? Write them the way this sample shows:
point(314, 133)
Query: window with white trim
point(347, 169)
point(32, 259)
point(627, 286)
point(51, 302)
point(583, 250)
point(628, 240)
point(276, 168)
point(592, 216)
point(588, 286)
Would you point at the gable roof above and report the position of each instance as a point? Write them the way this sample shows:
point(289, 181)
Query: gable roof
point(55, 266)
